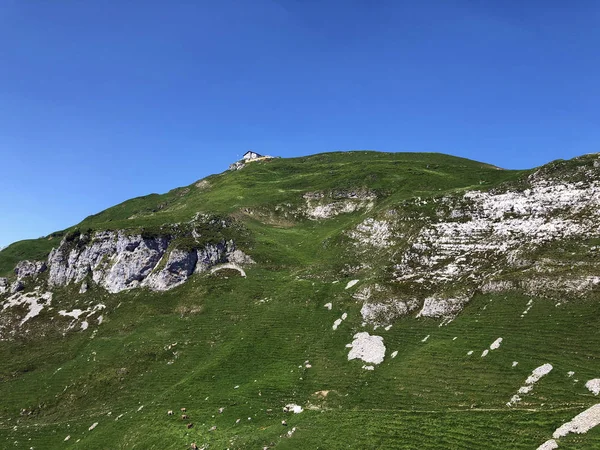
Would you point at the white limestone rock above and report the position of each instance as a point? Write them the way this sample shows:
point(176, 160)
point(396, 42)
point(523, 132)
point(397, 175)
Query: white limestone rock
point(593, 386)
point(29, 268)
point(581, 423)
point(118, 262)
point(16, 286)
point(382, 314)
point(34, 302)
point(134, 260)
point(4, 286)
point(373, 233)
point(437, 307)
point(550, 444)
point(367, 348)
point(180, 265)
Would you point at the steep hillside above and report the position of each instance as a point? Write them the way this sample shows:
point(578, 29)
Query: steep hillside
point(341, 300)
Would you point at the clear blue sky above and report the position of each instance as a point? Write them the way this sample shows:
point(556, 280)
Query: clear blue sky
point(104, 100)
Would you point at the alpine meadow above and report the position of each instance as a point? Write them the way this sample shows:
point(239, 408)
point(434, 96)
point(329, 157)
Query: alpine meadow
point(340, 300)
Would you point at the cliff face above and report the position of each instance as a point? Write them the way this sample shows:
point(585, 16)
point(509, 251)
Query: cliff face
point(442, 250)
point(117, 261)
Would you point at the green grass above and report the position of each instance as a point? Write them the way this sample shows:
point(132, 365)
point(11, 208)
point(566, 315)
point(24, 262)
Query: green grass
point(432, 395)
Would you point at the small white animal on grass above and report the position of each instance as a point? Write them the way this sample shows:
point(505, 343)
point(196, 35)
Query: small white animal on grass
point(284, 423)
point(170, 412)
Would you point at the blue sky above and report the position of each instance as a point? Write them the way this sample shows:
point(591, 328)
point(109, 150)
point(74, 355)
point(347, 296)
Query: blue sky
point(101, 101)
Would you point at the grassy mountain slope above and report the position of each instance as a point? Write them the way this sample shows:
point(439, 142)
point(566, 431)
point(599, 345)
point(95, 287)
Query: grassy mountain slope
point(242, 344)
point(263, 185)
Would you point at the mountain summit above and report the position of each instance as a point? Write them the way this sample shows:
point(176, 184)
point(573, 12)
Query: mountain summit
point(340, 300)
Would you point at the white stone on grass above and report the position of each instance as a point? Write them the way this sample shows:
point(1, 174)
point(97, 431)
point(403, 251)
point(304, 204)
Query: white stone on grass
point(581, 423)
point(535, 376)
point(496, 344)
point(74, 314)
point(292, 407)
point(593, 386)
point(338, 322)
point(368, 348)
point(33, 300)
point(525, 389)
point(538, 373)
point(485, 352)
point(394, 354)
point(351, 283)
point(550, 444)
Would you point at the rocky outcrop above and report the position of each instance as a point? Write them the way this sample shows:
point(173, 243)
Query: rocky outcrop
point(19, 307)
point(372, 233)
point(16, 286)
point(325, 205)
point(179, 266)
point(4, 286)
point(382, 313)
point(439, 307)
point(29, 268)
point(238, 165)
point(476, 236)
point(118, 261)
point(134, 259)
point(518, 236)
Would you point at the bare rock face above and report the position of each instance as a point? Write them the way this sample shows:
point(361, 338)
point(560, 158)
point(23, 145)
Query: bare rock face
point(214, 254)
point(71, 262)
point(385, 312)
point(437, 307)
point(133, 261)
point(29, 268)
point(17, 286)
point(321, 205)
point(4, 286)
point(118, 262)
point(180, 265)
